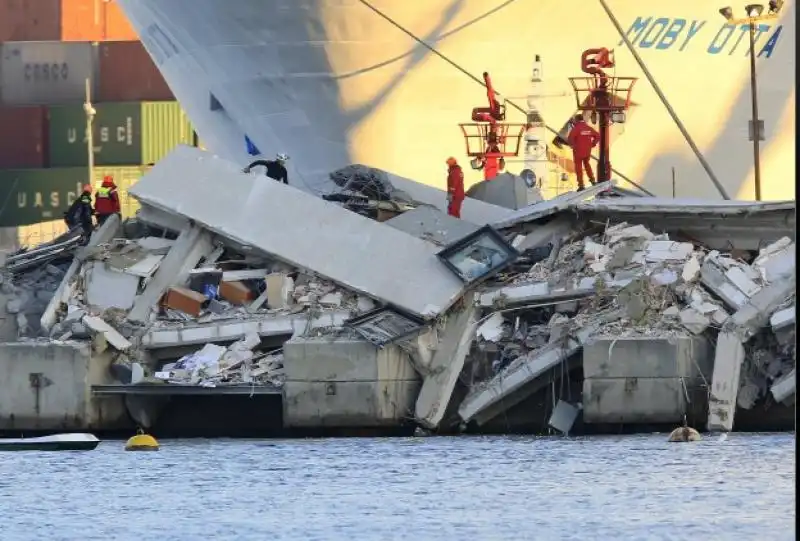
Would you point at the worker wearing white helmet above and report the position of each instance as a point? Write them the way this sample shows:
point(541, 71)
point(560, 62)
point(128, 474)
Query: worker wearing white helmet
point(276, 169)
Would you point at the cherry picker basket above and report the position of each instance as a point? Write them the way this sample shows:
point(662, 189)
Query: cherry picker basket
point(590, 94)
point(508, 138)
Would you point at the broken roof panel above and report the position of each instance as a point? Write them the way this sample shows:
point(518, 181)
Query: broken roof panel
point(562, 202)
point(431, 224)
point(683, 205)
point(302, 230)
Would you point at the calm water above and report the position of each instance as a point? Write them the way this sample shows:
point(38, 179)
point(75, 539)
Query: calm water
point(411, 489)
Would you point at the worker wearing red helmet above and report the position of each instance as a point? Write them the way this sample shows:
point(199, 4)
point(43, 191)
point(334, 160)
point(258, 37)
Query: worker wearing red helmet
point(79, 213)
point(106, 201)
point(455, 188)
point(582, 138)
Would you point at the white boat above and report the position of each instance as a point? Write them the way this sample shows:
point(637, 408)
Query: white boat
point(333, 82)
point(56, 442)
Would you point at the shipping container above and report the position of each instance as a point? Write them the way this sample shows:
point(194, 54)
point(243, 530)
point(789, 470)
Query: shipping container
point(29, 20)
point(94, 20)
point(23, 137)
point(128, 73)
point(130, 133)
point(46, 72)
point(29, 196)
point(124, 177)
point(63, 20)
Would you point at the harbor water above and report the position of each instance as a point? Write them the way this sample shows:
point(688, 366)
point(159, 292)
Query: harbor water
point(615, 488)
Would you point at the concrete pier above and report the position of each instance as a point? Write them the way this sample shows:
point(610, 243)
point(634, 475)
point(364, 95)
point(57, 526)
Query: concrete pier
point(46, 386)
point(644, 380)
point(346, 383)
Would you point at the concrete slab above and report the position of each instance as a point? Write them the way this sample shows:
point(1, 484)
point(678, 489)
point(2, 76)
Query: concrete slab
point(554, 232)
point(647, 357)
point(447, 363)
point(358, 253)
point(501, 392)
point(783, 318)
point(146, 267)
point(231, 330)
point(433, 225)
point(784, 390)
point(563, 417)
point(712, 275)
point(110, 289)
point(725, 382)
point(164, 220)
point(531, 213)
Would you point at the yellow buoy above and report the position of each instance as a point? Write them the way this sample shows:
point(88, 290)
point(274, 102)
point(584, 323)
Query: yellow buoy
point(141, 442)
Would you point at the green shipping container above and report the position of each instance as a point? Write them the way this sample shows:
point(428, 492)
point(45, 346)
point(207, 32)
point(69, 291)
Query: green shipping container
point(30, 196)
point(124, 178)
point(128, 133)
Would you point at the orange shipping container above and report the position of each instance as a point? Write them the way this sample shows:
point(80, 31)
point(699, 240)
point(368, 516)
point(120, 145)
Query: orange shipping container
point(127, 73)
point(29, 20)
point(63, 20)
point(23, 137)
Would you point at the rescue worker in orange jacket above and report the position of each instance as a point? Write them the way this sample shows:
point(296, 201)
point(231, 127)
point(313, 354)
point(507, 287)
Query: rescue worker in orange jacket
point(106, 201)
point(582, 138)
point(455, 188)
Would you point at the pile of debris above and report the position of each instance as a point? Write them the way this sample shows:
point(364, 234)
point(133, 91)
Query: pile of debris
point(627, 281)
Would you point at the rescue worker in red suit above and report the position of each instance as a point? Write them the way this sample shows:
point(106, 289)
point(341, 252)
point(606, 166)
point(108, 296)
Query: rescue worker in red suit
point(582, 138)
point(492, 165)
point(455, 188)
point(106, 200)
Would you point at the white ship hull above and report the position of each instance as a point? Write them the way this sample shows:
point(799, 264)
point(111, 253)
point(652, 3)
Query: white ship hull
point(331, 82)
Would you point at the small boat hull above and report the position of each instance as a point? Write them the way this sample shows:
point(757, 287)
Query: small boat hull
point(58, 442)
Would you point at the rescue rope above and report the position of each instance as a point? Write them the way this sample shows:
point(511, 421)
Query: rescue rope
point(479, 81)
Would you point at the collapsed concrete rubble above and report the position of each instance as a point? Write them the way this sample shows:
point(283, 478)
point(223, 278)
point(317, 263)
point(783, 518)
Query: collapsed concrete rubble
point(363, 314)
point(623, 283)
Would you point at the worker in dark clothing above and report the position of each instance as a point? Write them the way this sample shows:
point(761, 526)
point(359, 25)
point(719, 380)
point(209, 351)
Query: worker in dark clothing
point(106, 201)
point(276, 169)
point(80, 212)
point(455, 188)
point(582, 138)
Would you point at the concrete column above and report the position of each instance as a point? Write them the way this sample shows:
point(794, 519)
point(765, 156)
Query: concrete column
point(189, 248)
point(446, 365)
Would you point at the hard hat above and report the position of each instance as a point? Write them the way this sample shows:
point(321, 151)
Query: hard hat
point(87, 188)
point(282, 156)
point(108, 178)
point(451, 161)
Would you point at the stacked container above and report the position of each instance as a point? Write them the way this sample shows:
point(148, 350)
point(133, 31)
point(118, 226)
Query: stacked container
point(49, 49)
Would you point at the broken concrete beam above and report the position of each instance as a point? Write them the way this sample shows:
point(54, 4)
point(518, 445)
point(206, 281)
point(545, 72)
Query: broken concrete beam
point(447, 363)
point(517, 381)
point(784, 389)
point(190, 247)
point(728, 360)
point(184, 300)
point(558, 229)
point(783, 318)
point(713, 276)
point(224, 331)
point(111, 335)
point(515, 294)
point(693, 320)
point(755, 314)
point(246, 274)
point(101, 235)
point(302, 230)
point(776, 261)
